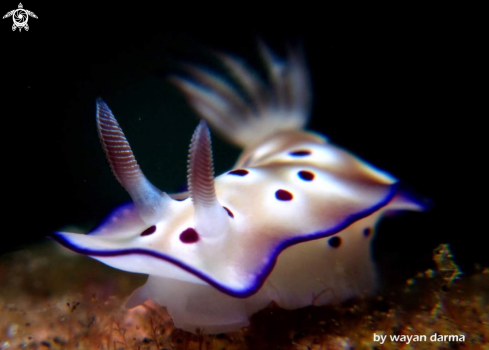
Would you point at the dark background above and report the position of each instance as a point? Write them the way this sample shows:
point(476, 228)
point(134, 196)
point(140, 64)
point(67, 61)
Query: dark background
point(390, 90)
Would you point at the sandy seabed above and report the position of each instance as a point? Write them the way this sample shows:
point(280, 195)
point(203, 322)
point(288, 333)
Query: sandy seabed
point(53, 299)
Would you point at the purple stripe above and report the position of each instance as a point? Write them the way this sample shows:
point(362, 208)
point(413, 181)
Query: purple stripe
point(262, 275)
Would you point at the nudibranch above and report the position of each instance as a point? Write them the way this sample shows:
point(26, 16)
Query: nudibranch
point(292, 222)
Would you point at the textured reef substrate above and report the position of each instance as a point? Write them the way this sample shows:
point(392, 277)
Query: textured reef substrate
point(52, 299)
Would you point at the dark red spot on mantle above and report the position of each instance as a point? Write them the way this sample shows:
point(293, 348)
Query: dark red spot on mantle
point(283, 195)
point(150, 230)
point(334, 242)
point(367, 231)
point(239, 172)
point(230, 213)
point(300, 153)
point(189, 236)
point(306, 175)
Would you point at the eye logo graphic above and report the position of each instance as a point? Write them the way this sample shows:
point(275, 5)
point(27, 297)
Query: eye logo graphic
point(20, 17)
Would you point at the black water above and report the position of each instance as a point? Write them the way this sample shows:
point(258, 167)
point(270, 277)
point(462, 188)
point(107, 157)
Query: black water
point(391, 92)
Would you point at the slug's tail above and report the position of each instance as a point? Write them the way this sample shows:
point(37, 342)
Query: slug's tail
point(255, 108)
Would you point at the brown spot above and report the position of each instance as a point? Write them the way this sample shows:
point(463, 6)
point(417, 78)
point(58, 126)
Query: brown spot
point(306, 175)
point(189, 236)
point(230, 213)
point(367, 231)
point(284, 195)
point(239, 172)
point(150, 230)
point(334, 242)
point(300, 153)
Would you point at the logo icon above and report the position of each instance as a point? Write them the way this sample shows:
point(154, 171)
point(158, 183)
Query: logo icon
point(20, 17)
